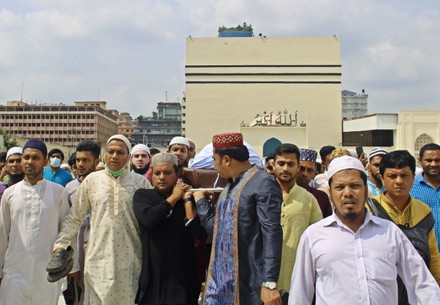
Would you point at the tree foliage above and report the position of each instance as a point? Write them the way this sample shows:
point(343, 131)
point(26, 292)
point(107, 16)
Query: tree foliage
point(239, 28)
point(9, 140)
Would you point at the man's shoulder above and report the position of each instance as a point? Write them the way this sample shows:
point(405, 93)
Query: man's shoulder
point(54, 186)
point(421, 206)
point(65, 173)
point(47, 172)
point(310, 192)
point(73, 184)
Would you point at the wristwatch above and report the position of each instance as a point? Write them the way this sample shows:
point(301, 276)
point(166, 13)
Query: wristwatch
point(269, 285)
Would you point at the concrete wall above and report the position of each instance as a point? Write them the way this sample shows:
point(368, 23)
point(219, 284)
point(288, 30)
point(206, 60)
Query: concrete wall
point(230, 80)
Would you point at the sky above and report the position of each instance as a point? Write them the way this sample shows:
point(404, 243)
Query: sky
point(131, 53)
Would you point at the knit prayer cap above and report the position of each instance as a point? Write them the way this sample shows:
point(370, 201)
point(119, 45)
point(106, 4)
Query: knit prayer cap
point(120, 138)
point(164, 157)
point(307, 155)
point(376, 152)
point(13, 151)
point(36, 144)
point(342, 163)
point(179, 140)
point(140, 147)
point(224, 140)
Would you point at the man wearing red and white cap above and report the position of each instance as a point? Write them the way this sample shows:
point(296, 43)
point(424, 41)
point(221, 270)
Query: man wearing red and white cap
point(245, 224)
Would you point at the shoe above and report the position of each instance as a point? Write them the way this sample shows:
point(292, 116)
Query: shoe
point(55, 276)
point(59, 260)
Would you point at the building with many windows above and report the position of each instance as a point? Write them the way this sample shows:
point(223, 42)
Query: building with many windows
point(158, 130)
point(59, 123)
point(354, 105)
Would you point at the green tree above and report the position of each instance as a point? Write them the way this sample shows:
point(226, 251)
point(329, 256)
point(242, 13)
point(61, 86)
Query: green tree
point(9, 141)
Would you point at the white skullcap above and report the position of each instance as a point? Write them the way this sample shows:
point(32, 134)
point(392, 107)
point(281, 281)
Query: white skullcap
point(13, 151)
point(343, 163)
point(139, 147)
point(164, 157)
point(179, 140)
point(65, 166)
point(120, 138)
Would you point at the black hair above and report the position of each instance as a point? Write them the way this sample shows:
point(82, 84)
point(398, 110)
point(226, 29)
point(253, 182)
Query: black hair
point(56, 151)
point(154, 151)
point(361, 173)
point(325, 151)
point(239, 153)
point(91, 146)
point(286, 148)
point(318, 167)
point(72, 159)
point(430, 146)
point(2, 157)
point(397, 159)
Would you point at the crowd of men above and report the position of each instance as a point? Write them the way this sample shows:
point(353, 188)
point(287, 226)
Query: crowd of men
point(128, 227)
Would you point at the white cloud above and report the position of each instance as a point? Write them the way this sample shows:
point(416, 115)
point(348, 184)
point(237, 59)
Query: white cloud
point(133, 51)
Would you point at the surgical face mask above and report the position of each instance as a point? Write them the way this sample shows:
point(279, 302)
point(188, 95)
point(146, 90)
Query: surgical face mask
point(55, 162)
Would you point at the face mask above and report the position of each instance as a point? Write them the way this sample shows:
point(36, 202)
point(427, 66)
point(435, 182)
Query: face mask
point(55, 162)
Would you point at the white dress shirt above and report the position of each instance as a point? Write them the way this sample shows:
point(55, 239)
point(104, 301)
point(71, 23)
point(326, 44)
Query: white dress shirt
point(359, 268)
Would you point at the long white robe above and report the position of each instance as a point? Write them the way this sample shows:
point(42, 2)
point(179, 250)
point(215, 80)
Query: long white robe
point(113, 256)
point(30, 220)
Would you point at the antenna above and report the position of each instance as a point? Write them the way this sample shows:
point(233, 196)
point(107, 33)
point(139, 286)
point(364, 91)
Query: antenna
point(21, 97)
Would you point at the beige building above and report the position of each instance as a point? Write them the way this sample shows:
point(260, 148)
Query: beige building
point(59, 124)
point(416, 128)
point(408, 129)
point(271, 89)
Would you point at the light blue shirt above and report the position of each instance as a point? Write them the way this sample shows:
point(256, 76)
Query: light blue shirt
point(61, 176)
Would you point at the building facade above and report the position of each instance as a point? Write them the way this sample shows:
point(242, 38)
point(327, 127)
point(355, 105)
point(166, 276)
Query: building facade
point(126, 126)
point(354, 105)
point(409, 130)
point(271, 89)
point(59, 124)
point(158, 130)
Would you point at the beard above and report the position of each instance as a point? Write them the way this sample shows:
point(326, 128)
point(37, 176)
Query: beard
point(17, 178)
point(141, 171)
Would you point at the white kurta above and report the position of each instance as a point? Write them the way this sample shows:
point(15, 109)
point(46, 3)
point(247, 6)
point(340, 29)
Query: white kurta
point(30, 220)
point(113, 256)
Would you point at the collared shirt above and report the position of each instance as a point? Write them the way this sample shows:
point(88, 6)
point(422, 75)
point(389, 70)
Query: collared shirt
point(374, 189)
point(414, 212)
point(299, 210)
point(424, 192)
point(359, 268)
point(61, 176)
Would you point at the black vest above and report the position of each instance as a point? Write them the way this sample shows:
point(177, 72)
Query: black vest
point(417, 235)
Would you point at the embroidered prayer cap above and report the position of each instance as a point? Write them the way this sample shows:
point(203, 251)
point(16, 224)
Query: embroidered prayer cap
point(120, 138)
point(179, 140)
point(36, 144)
point(376, 152)
point(140, 147)
point(164, 157)
point(230, 139)
point(307, 155)
point(13, 151)
point(342, 163)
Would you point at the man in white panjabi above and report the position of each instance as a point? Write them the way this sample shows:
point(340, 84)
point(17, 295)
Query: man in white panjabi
point(31, 215)
point(113, 257)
